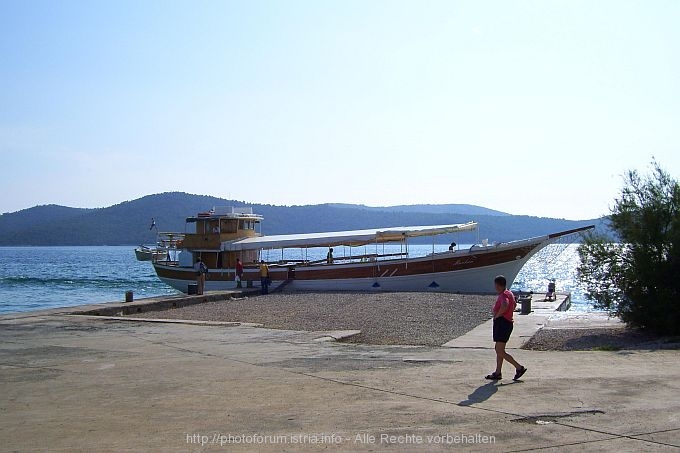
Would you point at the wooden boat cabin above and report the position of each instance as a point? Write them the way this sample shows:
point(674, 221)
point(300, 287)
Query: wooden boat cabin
point(213, 228)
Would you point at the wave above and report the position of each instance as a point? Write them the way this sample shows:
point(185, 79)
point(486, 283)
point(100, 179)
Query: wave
point(107, 282)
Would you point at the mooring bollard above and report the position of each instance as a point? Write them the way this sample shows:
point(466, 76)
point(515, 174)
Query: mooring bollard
point(129, 296)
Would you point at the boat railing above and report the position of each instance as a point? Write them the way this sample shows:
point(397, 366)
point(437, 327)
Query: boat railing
point(168, 239)
point(365, 258)
point(483, 246)
point(173, 263)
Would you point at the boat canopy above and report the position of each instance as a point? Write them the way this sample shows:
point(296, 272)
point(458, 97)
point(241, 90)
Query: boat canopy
point(349, 238)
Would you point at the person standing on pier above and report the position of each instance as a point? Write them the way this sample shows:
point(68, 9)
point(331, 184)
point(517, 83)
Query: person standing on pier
point(239, 273)
point(201, 271)
point(329, 256)
point(502, 328)
point(264, 277)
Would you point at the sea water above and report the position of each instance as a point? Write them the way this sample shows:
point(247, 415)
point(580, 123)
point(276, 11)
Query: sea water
point(35, 278)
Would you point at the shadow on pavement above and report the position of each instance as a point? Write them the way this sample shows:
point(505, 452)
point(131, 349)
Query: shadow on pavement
point(480, 394)
point(484, 392)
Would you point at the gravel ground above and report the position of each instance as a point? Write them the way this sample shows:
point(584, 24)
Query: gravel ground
point(604, 339)
point(429, 319)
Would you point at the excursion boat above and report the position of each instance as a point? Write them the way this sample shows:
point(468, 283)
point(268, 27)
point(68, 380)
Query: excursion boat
point(222, 235)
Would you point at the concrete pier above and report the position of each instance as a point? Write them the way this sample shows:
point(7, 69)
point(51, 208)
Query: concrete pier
point(542, 312)
point(161, 303)
point(80, 383)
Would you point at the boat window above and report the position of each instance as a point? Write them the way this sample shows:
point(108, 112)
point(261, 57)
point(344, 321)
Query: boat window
point(230, 226)
point(246, 225)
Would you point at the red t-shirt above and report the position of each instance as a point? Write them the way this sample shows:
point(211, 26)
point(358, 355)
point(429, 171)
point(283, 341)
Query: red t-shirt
point(506, 295)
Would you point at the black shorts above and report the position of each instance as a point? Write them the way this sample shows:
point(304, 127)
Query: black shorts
point(502, 328)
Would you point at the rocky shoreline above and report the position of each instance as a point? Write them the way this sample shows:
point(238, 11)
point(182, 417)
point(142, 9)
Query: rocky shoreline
point(598, 339)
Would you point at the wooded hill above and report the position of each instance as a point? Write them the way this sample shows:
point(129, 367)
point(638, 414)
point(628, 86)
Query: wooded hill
point(128, 223)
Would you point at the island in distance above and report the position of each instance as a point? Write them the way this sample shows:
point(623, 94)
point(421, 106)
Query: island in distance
point(128, 223)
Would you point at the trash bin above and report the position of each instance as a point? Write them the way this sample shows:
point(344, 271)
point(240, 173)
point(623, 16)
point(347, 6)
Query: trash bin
point(525, 302)
point(129, 296)
point(192, 289)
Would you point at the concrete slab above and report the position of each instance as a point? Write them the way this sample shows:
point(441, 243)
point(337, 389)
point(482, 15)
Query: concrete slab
point(75, 383)
point(525, 326)
point(605, 445)
point(562, 302)
point(173, 321)
point(336, 335)
point(664, 437)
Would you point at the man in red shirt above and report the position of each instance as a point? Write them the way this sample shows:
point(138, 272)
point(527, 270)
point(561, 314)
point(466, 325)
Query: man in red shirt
point(502, 328)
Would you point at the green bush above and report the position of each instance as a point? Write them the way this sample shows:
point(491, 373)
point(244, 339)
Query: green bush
point(636, 276)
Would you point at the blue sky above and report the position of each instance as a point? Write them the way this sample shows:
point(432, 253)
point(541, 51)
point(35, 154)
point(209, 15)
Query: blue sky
point(527, 107)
